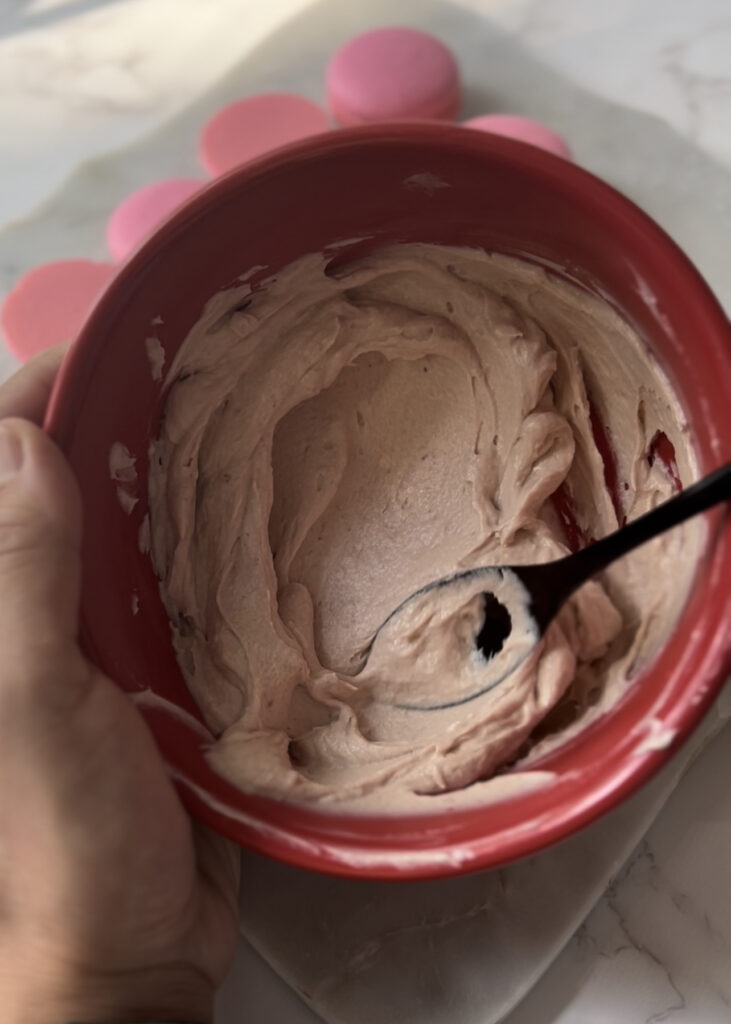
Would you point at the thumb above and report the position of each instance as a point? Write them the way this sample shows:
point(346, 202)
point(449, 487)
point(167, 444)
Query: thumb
point(40, 565)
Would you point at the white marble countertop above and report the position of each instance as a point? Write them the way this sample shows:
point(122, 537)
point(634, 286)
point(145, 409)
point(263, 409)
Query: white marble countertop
point(80, 78)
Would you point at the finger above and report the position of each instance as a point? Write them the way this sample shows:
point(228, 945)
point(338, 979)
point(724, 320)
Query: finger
point(26, 394)
point(40, 535)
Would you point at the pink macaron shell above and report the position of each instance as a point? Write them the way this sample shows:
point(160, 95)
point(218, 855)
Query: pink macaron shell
point(140, 213)
point(255, 125)
point(392, 74)
point(50, 304)
point(523, 129)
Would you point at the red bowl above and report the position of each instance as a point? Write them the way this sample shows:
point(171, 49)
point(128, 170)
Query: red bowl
point(389, 183)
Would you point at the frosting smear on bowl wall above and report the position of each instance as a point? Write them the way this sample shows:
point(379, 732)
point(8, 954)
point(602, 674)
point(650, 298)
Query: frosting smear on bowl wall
point(343, 437)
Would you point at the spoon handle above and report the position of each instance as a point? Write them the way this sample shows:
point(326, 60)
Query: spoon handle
point(697, 498)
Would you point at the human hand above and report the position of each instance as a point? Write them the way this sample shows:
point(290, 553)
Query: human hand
point(114, 906)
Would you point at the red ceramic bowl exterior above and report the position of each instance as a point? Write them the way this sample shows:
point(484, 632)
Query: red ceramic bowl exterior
point(497, 194)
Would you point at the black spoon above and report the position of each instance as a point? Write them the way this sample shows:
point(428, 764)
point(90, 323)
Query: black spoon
point(543, 589)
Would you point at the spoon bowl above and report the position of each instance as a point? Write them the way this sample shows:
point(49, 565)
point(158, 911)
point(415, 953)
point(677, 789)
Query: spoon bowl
point(472, 629)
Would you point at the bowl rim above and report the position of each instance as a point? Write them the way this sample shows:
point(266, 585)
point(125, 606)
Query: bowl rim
point(711, 648)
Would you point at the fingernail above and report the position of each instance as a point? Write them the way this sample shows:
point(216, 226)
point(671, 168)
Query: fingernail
point(11, 453)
